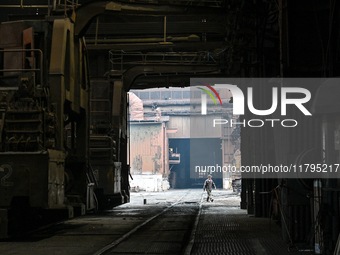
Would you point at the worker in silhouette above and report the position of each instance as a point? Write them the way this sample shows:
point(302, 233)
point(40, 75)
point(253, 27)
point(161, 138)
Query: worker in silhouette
point(208, 185)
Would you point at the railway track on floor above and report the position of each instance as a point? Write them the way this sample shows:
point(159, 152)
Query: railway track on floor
point(131, 234)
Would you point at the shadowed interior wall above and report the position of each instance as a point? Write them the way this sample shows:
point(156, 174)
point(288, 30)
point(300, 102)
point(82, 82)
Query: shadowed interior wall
point(197, 150)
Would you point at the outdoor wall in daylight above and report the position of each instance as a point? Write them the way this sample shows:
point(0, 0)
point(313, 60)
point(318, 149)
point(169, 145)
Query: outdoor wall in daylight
point(148, 153)
point(186, 131)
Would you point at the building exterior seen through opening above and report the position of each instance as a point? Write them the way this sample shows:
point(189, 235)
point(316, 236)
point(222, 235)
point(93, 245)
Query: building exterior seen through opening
point(162, 142)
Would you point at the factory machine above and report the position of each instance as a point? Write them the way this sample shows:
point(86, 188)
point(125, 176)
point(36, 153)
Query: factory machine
point(63, 142)
point(64, 138)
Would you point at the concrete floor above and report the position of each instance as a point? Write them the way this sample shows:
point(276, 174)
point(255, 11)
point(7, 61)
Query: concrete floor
point(223, 228)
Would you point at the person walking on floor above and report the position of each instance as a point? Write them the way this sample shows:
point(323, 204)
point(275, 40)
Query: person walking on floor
point(208, 185)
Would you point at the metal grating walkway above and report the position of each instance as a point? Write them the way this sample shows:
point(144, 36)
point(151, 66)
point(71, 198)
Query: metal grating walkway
point(235, 233)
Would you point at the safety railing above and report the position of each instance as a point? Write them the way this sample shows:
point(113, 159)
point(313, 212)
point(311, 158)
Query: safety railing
point(40, 70)
point(52, 5)
point(72, 4)
point(121, 60)
point(216, 3)
point(65, 5)
point(24, 5)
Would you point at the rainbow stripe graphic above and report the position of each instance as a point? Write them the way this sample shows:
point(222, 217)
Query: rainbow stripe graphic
point(209, 93)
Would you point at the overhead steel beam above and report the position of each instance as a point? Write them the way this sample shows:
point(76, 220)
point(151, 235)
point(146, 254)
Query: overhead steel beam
point(134, 28)
point(23, 6)
point(130, 75)
point(179, 80)
point(85, 14)
point(152, 46)
point(192, 38)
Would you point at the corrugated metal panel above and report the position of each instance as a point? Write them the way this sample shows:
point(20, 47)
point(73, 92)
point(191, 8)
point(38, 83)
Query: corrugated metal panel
point(195, 126)
point(146, 150)
point(182, 123)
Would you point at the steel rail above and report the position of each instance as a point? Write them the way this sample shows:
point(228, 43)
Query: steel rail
point(193, 232)
point(127, 235)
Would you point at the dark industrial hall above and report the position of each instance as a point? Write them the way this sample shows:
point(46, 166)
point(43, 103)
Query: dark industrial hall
point(169, 127)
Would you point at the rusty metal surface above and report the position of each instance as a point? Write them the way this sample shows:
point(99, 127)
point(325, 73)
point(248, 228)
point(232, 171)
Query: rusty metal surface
point(33, 147)
point(36, 175)
point(146, 154)
point(104, 139)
